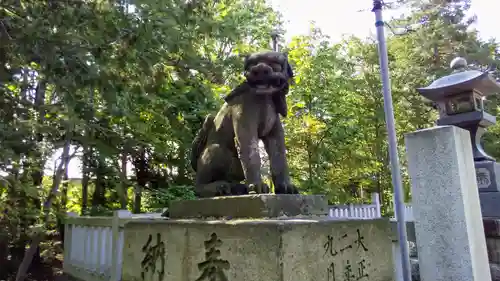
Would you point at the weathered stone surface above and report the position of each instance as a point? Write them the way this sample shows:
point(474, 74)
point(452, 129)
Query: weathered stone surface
point(493, 245)
point(410, 229)
point(492, 231)
point(264, 250)
point(491, 227)
point(251, 206)
point(489, 204)
point(415, 274)
point(495, 272)
point(445, 200)
point(413, 249)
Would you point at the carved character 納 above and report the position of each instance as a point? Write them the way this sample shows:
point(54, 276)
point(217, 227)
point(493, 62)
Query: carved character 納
point(225, 151)
point(153, 254)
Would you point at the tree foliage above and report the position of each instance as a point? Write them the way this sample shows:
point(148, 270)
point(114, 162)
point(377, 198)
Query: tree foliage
point(123, 86)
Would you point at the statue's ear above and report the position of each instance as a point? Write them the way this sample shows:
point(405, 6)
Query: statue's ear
point(241, 89)
point(287, 66)
point(279, 100)
point(289, 70)
point(289, 73)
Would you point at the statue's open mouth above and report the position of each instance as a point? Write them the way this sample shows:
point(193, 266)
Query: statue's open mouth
point(271, 83)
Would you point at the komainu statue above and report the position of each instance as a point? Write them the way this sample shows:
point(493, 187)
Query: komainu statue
point(226, 150)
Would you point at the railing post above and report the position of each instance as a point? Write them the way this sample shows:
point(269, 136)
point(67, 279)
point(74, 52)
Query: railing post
point(376, 201)
point(115, 242)
point(409, 212)
point(68, 241)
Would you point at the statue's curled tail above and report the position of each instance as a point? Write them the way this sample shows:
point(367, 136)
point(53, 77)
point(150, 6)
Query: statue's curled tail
point(200, 141)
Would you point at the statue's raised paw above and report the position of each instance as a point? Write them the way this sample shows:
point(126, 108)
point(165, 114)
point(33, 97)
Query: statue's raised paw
point(286, 189)
point(258, 188)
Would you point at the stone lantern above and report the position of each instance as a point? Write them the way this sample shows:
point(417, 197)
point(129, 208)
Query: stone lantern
point(460, 100)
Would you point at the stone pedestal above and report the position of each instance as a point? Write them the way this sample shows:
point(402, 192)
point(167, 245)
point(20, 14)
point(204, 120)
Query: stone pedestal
point(448, 223)
point(273, 249)
point(251, 206)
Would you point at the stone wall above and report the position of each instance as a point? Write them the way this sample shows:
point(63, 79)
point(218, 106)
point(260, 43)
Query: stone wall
point(257, 249)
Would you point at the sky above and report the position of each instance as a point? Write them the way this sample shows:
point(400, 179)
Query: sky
point(337, 17)
point(351, 17)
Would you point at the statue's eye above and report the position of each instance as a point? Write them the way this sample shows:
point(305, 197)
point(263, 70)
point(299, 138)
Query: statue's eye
point(276, 67)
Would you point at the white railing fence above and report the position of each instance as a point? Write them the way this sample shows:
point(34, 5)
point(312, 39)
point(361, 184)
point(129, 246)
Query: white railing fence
point(408, 213)
point(93, 246)
point(357, 211)
point(365, 211)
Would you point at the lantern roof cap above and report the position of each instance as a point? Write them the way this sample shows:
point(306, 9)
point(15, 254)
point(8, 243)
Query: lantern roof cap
point(461, 80)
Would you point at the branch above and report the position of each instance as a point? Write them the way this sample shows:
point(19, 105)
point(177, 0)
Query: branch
point(5, 30)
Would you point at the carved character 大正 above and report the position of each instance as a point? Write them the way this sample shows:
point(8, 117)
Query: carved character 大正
point(225, 151)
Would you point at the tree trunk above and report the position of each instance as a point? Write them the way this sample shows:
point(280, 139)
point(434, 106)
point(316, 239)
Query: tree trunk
point(141, 172)
point(38, 236)
point(137, 199)
point(123, 191)
point(87, 155)
point(64, 202)
point(4, 251)
point(87, 152)
point(98, 198)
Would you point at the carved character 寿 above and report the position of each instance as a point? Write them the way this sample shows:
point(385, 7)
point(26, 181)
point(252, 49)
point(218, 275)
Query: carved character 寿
point(213, 267)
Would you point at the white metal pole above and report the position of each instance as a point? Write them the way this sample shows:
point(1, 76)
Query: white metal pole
point(393, 146)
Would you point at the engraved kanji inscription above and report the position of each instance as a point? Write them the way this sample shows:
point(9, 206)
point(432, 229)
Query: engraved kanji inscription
point(359, 241)
point(331, 272)
point(213, 267)
point(152, 255)
point(329, 247)
point(349, 268)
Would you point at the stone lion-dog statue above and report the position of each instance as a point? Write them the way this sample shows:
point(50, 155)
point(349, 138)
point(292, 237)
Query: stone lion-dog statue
point(225, 151)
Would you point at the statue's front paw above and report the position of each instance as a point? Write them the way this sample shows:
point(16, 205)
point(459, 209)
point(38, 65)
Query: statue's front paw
point(218, 188)
point(285, 189)
point(223, 189)
point(239, 189)
point(258, 188)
